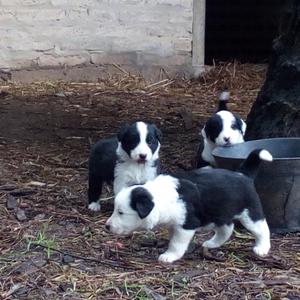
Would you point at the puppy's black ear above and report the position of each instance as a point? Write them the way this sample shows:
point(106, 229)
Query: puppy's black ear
point(122, 132)
point(157, 132)
point(241, 125)
point(213, 127)
point(208, 129)
point(141, 202)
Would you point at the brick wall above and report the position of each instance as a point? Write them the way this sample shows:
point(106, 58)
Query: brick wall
point(59, 34)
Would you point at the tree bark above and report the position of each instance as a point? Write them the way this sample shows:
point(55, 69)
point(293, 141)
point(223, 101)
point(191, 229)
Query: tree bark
point(276, 111)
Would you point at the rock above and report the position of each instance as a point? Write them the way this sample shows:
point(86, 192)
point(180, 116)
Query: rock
point(39, 261)
point(11, 202)
point(20, 214)
point(39, 217)
point(67, 259)
point(60, 94)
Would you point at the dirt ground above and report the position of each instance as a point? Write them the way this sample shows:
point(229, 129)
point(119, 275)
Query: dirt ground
point(52, 247)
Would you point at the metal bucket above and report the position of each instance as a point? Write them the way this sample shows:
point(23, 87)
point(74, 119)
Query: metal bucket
point(277, 183)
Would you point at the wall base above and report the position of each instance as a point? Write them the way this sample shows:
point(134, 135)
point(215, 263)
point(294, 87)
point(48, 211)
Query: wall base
point(92, 73)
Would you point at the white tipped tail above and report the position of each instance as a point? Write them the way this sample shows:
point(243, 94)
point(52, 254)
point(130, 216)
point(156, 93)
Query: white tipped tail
point(265, 155)
point(223, 99)
point(251, 164)
point(224, 96)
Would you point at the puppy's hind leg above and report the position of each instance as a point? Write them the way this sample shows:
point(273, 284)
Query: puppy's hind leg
point(260, 230)
point(222, 235)
point(178, 245)
point(94, 192)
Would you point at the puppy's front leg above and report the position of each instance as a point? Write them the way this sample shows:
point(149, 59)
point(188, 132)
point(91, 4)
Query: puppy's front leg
point(178, 244)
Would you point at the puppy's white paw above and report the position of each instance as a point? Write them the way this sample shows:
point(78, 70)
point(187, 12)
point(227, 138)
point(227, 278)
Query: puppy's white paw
point(94, 206)
point(206, 168)
point(261, 250)
point(168, 257)
point(209, 244)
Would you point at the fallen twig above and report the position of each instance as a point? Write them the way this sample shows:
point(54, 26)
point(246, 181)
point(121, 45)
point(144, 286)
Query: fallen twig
point(107, 263)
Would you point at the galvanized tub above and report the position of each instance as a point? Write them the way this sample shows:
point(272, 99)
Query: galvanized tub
point(277, 183)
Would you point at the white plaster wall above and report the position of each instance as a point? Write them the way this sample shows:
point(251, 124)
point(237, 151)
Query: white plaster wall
point(54, 33)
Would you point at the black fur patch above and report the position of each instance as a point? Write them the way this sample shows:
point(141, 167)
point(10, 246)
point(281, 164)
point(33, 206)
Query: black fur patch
point(129, 137)
point(102, 163)
point(141, 201)
point(238, 124)
point(222, 105)
point(221, 195)
point(213, 127)
point(154, 136)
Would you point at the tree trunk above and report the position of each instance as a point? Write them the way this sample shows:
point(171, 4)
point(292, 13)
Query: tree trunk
point(276, 111)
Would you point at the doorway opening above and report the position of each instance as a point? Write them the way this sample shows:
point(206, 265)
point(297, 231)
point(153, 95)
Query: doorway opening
point(241, 30)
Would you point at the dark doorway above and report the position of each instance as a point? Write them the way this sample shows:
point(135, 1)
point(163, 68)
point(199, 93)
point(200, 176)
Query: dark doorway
point(241, 29)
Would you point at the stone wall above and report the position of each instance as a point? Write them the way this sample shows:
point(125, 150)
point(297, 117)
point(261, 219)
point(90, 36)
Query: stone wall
point(67, 35)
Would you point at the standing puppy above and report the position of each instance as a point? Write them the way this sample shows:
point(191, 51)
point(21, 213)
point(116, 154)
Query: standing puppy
point(203, 198)
point(130, 158)
point(222, 129)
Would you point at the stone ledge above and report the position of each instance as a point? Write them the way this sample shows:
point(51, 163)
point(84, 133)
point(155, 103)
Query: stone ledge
point(92, 73)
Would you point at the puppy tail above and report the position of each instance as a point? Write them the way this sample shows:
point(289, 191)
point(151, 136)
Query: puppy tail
point(223, 99)
point(251, 165)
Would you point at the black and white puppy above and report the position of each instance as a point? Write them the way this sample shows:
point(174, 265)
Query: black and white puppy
point(222, 129)
point(130, 158)
point(203, 198)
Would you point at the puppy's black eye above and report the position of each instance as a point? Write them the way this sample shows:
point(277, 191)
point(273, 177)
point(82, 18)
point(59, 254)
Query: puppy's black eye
point(120, 212)
point(150, 140)
point(234, 126)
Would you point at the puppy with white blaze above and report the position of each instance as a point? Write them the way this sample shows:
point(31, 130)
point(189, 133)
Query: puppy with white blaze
point(130, 158)
point(222, 129)
point(202, 198)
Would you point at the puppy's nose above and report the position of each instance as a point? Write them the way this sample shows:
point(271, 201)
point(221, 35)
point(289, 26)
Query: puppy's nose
point(107, 226)
point(143, 156)
point(226, 139)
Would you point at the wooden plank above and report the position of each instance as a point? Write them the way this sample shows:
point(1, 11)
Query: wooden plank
point(198, 48)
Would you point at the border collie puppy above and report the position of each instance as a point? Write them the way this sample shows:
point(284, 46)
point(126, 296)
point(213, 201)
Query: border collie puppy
point(222, 129)
point(130, 158)
point(203, 198)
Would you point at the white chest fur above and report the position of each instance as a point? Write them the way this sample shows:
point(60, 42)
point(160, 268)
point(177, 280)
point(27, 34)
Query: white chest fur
point(129, 173)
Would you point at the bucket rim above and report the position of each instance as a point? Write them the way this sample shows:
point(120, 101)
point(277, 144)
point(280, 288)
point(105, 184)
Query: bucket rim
point(220, 152)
